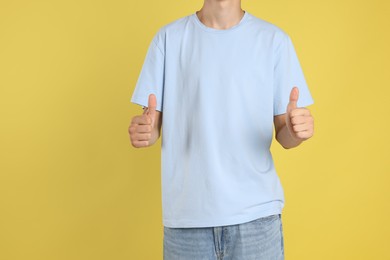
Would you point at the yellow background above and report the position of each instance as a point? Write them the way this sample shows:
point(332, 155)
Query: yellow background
point(72, 186)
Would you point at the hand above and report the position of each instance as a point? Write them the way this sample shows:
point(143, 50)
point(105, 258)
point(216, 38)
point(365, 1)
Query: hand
point(299, 121)
point(142, 128)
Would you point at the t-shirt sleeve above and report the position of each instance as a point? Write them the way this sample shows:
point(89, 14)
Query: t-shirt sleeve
point(287, 74)
point(151, 77)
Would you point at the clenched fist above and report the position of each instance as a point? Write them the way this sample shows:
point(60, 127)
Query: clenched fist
point(142, 129)
point(299, 121)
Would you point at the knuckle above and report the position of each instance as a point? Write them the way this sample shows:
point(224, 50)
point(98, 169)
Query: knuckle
point(134, 119)
point(294, 120)
point(146, 119)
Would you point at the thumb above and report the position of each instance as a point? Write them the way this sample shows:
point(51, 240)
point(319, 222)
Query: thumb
point(151, 110)
point(294, 94)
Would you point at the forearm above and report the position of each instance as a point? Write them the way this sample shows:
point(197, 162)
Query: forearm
point(286, 140)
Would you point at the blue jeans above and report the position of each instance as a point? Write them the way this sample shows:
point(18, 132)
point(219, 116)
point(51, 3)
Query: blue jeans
point(260, 239)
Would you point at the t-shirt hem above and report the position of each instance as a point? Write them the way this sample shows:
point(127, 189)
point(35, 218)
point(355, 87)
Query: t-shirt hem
point(225, 222)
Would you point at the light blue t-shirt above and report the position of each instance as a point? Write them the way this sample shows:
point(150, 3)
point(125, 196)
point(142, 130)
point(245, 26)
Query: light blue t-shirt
point(219, 91)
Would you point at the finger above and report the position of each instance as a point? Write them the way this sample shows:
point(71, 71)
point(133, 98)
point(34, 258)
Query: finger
point(301, 111)
point(296, 120)
point(141, 136)
point(294, 94)
point(152, 103)
point(142, 120)
point(301, 127)
point(140, 143)
point(144, 129)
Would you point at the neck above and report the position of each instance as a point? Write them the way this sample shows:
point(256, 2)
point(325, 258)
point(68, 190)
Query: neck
point(220, 14)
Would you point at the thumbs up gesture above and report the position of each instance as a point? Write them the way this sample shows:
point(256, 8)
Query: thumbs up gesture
point(142, 129)
point(299, 121)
